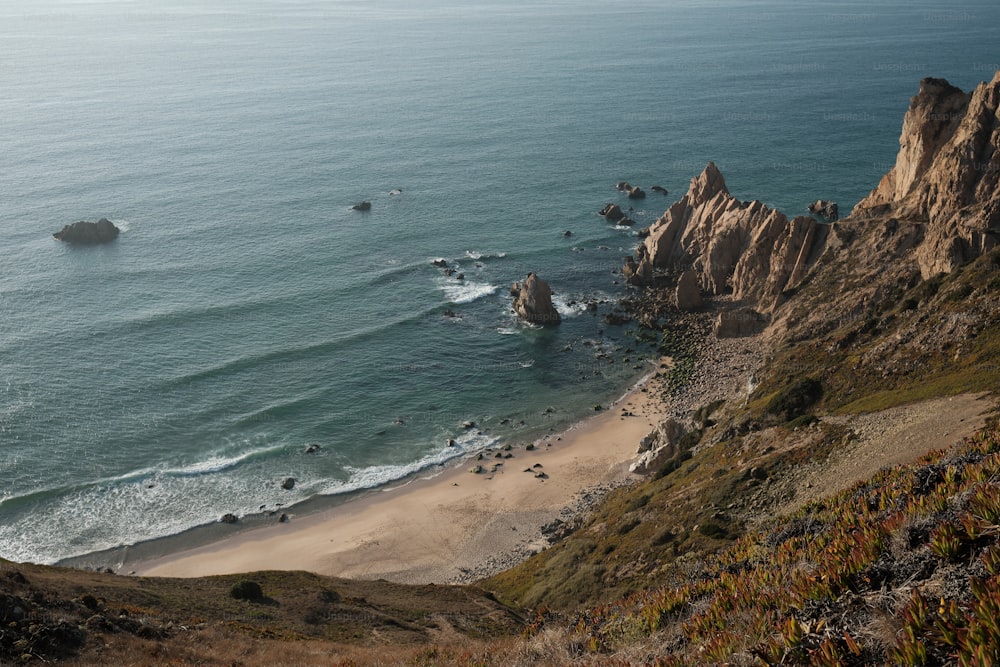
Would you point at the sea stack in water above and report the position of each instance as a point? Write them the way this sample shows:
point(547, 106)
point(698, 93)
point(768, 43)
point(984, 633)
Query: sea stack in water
point(533, 301)
point(88, 233)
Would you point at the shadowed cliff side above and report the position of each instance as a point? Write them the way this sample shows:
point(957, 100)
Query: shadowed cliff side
point(946, 174)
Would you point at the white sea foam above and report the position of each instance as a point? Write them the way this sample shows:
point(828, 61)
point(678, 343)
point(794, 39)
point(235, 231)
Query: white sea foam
point(466, 291)
point(479, 254)
point(565, 309)
point(104, 516)
point(376, 476)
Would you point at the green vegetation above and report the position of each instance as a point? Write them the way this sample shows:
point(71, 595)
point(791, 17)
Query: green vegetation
point(247, 590)
point(903, 568)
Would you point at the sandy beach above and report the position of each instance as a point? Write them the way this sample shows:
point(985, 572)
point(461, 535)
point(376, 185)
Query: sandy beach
point(454, 526)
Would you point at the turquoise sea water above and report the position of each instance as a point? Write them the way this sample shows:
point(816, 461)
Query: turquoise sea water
point(177, 374)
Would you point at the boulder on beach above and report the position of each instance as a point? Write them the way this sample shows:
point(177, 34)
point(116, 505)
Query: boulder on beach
point(740, 322)
point(88, 233)
point(688, 291)
point(533, 301)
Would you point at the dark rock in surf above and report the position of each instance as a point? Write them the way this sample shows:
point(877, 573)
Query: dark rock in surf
point(612, 213)
point(88, 233)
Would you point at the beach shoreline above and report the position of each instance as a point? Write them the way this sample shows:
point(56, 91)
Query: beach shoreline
point(453, 526)
point(458, 526)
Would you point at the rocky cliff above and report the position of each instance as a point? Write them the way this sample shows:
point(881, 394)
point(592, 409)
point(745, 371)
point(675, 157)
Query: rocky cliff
point(946, 174)
point(743, 248)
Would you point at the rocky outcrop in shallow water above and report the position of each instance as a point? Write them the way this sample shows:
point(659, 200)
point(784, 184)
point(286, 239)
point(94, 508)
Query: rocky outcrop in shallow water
point(533, 301)
point(946, 175)
point(88, 233)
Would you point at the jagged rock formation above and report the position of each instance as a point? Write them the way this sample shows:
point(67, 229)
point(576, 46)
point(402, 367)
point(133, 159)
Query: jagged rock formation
point(533, 301)
point(946, 174)
point(661, 445)
point(88, 233)
point(638, 273)
point(743, 248)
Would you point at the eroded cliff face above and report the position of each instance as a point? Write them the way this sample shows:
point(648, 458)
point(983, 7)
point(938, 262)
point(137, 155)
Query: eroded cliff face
point(946, 174)
point(744, 248)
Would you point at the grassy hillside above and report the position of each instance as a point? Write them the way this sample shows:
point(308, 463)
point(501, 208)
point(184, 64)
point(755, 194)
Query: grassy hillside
point(90, 618)
point(903, 569)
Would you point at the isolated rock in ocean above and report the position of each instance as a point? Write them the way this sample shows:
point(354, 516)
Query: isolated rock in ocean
point(533, 301)
point(362, 206)
point(946, 175)
point(612, 213)
point(88, 233)
point(688, 291)
point(828, 210)
point(288, 483)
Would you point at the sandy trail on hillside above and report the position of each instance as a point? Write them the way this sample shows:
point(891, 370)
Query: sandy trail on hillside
point(890, 437)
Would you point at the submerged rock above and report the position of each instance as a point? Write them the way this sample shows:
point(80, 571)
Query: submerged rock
point(828, 210)
point(88, 233)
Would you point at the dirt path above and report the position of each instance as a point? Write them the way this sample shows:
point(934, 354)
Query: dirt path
point(888, 438)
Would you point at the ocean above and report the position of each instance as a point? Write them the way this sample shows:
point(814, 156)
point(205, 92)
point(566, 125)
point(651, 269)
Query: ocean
point(246, 311)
